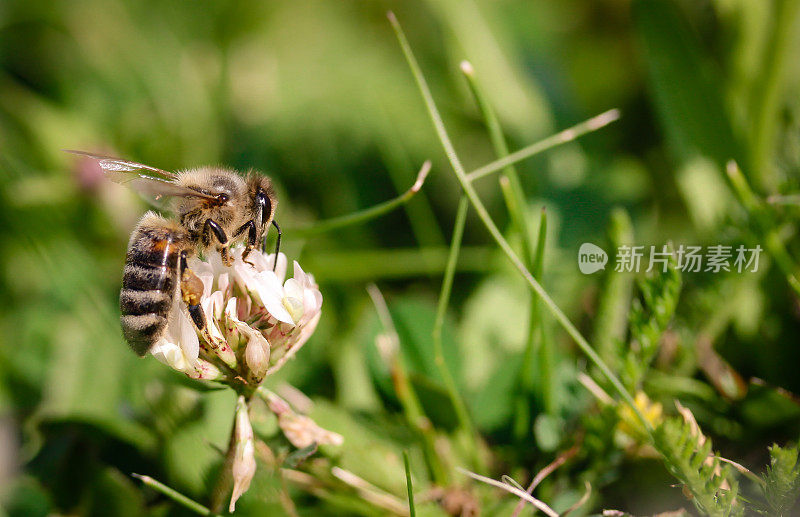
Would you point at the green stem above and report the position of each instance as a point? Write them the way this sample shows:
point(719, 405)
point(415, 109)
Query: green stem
point(477, 204)
point(412, 511)
point(174, 495)
point(567, 135)
point(464, 421)
point(365, 215)
point(769, 234)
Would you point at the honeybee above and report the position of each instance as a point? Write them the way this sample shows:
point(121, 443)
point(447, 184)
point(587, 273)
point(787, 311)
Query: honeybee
point(214, 207)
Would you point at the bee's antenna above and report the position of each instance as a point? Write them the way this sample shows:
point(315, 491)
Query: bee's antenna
point(277, 244)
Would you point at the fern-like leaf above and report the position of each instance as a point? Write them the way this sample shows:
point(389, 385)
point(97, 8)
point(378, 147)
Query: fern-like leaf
point(649, 318)
point(688, 456)
point(782, 480)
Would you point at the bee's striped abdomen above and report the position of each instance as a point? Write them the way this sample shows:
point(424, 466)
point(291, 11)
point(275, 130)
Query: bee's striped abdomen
point(149, 282)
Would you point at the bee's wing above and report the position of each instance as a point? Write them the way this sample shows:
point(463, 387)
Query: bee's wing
point(151, 182)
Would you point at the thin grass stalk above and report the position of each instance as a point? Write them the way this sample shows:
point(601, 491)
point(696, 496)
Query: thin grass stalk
point(477, 204)
point(365, 215)
point(464, 420)
point(517, 205)
point(562, 137)
point(412, 511)
point(173, 494)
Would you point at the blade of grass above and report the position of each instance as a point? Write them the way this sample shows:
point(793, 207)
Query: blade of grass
point(477, 204)
point(464, 421)
point(547, 355)
point(518, 207)
point(174, 495)
point(562, 137)
point(412, 511)
point(537, 346)
point(615, 295)
point(365, 215)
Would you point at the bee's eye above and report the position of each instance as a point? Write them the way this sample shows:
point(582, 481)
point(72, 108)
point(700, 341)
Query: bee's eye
point(264, 202)
point(222, 198)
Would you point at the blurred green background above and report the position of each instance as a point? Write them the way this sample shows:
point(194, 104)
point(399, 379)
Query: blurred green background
point(317, 95)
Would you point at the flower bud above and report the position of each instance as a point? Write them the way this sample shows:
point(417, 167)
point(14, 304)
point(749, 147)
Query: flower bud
point(256, 354)
point(301, 431)
point(244, 462)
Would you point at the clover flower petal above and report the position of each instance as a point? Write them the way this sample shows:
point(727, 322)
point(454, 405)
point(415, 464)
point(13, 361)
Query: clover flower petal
point(178, 347)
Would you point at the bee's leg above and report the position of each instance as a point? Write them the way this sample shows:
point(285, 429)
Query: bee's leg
point(191, 291)
point(277, 243)
point(211, 226)
point(252, 238)
point(266, 212)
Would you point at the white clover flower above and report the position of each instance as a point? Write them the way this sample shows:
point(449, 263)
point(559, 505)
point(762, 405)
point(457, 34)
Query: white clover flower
point(256, 321)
